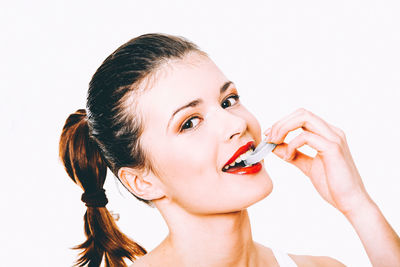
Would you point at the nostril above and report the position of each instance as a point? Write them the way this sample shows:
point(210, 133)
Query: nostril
point(233, 125)
point(234, 135)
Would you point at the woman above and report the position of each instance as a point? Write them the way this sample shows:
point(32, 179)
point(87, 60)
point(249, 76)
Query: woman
point(168, 123)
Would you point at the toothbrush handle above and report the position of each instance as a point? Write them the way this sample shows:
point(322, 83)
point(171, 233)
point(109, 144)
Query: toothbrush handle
point(261, 146)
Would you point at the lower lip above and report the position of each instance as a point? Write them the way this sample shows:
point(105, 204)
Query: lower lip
point(247, 170)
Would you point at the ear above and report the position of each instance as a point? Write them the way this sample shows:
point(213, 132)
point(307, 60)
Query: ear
point(145, 186)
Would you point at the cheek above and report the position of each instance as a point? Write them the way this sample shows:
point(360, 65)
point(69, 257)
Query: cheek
point(196, 183)
point(186, 165)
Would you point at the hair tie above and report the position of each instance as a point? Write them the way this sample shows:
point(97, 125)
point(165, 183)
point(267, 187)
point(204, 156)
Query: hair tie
point(95, 199)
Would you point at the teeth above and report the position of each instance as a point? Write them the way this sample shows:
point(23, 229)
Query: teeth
point(246, 155)
point(242, 157)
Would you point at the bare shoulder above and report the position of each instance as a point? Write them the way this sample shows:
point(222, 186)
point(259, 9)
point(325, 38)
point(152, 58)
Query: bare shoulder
point(310, 261)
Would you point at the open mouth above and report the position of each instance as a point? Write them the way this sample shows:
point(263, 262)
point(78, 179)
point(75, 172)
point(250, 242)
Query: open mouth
point(236, 162)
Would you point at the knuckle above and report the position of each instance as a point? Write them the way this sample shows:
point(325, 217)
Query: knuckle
point(339, 142)
point(341, 139)
point(341, 133)
point(306, 115)
point(302, 110)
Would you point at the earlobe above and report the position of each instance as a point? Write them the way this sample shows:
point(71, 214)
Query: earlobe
point(138, 184)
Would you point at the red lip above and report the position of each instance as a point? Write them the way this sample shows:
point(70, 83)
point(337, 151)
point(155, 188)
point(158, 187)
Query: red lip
point(246, 170)
point(239, 152)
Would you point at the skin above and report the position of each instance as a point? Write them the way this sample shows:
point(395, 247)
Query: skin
point(205, 208)
point(334, 175)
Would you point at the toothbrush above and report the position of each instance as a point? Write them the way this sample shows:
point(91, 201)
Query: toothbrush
point(259, 153)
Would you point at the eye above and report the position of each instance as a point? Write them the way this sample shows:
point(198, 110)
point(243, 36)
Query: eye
point(190, 123)
point(230, 101)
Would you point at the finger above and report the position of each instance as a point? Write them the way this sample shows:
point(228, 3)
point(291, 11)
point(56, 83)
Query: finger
point(338, 131)
point(315, 141)
point(281, 121)
point(300, 160)
point(304, 162)
point(301, 119)
point(322, 145)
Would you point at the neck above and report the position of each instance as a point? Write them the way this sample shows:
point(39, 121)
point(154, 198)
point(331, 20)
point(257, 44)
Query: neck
point(210, 240)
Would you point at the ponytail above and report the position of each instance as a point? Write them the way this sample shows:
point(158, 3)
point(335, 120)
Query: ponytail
point(85, 166)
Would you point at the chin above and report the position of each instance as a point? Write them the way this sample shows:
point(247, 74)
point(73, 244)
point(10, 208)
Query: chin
point(253, 193)
point(233, 196)
point(262, 191)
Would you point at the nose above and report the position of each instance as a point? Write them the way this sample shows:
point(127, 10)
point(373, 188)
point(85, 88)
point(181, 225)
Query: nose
point(229, 124)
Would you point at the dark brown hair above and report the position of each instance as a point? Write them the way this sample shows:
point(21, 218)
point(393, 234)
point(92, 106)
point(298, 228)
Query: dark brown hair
point(107, 135)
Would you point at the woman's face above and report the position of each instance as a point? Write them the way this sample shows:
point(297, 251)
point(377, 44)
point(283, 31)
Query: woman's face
point(193, 125)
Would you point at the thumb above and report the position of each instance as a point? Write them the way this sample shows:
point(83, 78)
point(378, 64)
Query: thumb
point(280, 150)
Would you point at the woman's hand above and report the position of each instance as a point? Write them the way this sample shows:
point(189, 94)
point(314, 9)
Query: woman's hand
point(334, 174)
point(332, 171)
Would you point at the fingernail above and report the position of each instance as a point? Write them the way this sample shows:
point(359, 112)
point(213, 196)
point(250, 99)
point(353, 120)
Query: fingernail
point(267, 134)
point(267, 131)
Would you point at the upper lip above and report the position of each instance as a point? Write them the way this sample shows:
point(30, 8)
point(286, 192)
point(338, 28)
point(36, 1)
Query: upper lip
point(240, 151)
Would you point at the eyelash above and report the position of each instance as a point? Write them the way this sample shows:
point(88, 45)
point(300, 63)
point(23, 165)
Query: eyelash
point(182, 129)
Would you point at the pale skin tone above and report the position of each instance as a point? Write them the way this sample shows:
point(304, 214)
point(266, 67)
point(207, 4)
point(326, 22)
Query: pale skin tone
point(204, 207)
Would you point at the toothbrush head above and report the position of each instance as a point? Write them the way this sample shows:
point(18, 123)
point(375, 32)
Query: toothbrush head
point(259, 153)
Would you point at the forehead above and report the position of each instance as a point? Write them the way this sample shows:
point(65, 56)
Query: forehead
point(178, 82)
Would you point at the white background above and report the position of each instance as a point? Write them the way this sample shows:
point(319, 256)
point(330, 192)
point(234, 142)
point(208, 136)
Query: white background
point(339, 59)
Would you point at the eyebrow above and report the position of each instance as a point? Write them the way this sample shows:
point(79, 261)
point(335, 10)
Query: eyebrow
point(197, 102)
point(225, 86)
